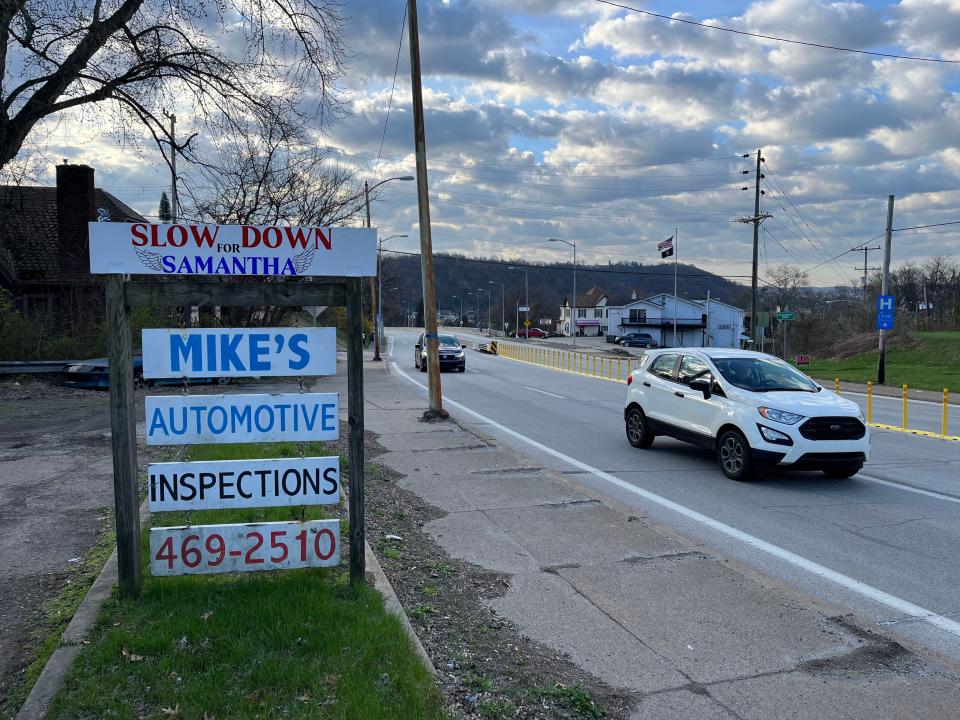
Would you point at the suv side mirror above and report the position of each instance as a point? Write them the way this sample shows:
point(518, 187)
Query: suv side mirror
point(703, 385)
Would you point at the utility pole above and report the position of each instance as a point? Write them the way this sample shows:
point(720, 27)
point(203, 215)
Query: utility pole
point(174, 200)
point(863, 284)
point(426, 241)
point(884, 290)
point(756, 252)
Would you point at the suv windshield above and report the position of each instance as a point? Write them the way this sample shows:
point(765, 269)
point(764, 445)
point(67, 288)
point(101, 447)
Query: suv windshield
point(762, 375)
point(449, 341)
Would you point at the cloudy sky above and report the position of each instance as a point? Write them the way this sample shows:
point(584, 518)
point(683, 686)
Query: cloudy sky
point(578, 120)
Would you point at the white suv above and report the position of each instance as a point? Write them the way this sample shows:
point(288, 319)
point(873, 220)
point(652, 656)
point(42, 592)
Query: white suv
point(752, 409)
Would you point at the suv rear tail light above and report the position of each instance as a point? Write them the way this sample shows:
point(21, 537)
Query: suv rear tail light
point(629, 378)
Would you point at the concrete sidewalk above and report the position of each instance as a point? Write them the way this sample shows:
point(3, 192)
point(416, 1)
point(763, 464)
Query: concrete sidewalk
point(689, 633)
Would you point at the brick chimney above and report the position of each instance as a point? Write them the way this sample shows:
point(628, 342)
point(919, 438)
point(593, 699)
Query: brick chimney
point(76, 206)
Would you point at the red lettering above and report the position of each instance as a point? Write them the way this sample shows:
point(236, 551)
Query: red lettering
point(201, 236)
point(326, 240)
point(155, 237)
point(137, 230)
point(298, 239)
point(246, 231)
point(172, 233)
point(266, 237)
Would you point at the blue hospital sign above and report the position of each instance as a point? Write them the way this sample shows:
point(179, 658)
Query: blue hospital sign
point(193, 419)
point(244, 352)
point(886, 305)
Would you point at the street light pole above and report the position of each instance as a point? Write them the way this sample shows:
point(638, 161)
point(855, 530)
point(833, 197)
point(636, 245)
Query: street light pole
point(526, 295)
point(503, 291)
point(573, 309)
point(480, 290)
point(378, 318)
point(375, 281)
point(476, 318)
point(460, 316)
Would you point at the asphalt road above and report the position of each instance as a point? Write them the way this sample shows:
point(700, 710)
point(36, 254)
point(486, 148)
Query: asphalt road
point(882, 545)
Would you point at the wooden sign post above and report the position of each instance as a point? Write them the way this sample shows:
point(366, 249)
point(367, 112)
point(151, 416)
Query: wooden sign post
point(118, 248)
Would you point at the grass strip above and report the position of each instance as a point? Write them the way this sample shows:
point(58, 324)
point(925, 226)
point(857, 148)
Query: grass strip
point(298, 643)
point(932, 365)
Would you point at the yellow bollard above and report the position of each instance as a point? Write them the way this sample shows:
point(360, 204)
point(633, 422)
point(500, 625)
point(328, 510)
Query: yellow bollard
point(619, 368)
point(836, 385)
point(943, 420)
point(904, 407)
point(869, 402)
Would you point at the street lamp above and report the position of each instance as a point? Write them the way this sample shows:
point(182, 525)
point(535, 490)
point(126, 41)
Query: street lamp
point(480, 290)
point(477, 316)
point(374, 281)
point(573, 308)
point(503, 292)
point(526, 294)
point(459, 317)
point(378, 317)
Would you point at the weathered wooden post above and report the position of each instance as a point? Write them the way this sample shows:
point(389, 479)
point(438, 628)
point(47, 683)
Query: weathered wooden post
point(355, 420)
point(124, 429)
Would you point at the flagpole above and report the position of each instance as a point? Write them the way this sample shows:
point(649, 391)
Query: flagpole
point(676, 253)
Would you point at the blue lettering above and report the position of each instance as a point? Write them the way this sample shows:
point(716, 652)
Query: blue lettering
point(296, 347)
point(288, 268)
point(157, 423)
point(258, 350)
point(173, 423)
point(239, 267)
point(168, 264)
point(256, 418)
point(197, 411)
point(282, 407)
point(308, 422)
point(210, 421)
point(211, 352)
point(185, 348)
point(185, 268)
point(328, 409)
point(271, 266)
point(222, 267)
point(205, 264)
point(228, 352)
point(240, 417)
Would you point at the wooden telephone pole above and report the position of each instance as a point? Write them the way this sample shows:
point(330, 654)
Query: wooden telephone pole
point(426, 242)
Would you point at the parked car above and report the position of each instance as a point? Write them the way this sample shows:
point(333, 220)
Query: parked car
point(452, 356)
point(642, 340)
point(95, 373)
point(752, 409)
point(533, 332)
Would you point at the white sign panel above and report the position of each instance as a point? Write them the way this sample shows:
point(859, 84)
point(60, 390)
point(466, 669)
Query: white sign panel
point(208, 549)
point(201, 419)
point(149, 249)
point(217, 484)
point(245, 352)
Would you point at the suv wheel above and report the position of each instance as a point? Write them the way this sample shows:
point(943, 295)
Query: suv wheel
point(638, 431)
point(735, 456)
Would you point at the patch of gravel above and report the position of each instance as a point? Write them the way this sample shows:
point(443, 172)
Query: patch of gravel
point(487, 668)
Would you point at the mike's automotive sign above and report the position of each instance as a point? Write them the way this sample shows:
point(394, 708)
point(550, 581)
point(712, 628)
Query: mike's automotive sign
point(148, 249)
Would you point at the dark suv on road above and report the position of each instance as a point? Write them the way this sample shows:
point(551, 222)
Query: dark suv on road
point(641, 340)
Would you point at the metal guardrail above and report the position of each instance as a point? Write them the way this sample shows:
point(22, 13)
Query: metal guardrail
point(32, 367)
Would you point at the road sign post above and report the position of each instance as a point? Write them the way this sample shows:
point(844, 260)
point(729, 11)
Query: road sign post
point(247, 251)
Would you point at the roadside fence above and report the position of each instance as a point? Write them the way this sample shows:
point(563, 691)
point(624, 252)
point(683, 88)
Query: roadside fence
point(602, 367)
point(904, 425)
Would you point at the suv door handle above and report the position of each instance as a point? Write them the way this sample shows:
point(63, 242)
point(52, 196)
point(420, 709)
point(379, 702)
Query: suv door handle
point(646, 384)
point(678, 394)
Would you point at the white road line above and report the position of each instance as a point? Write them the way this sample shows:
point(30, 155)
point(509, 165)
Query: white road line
point(909, 488)
point(544, 392)
point(845, 581)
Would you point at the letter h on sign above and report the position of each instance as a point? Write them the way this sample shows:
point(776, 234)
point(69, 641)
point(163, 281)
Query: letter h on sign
point(885, 303)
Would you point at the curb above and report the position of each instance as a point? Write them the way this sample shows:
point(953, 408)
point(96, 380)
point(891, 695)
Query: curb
point(50, 681)
point(393, 606)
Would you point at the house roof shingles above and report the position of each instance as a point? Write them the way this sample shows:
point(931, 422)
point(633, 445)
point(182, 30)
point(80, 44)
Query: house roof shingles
point(30, 251)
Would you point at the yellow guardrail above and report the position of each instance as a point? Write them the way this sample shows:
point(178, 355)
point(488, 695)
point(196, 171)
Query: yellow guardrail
point(904, 425)
point(601, 367)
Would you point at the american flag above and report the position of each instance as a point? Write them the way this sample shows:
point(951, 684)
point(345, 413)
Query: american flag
point(666, 247)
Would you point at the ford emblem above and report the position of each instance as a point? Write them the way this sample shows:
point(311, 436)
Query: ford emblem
point(835, 428)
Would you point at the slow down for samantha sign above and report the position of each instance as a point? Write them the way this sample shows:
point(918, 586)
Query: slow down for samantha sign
point(244, 352)
point(150, 249)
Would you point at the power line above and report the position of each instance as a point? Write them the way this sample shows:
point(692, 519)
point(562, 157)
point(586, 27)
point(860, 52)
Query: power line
point(776, 38)
point(393, 85)
point(920, 227)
